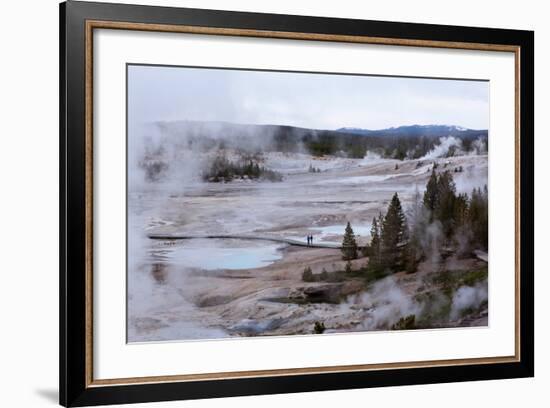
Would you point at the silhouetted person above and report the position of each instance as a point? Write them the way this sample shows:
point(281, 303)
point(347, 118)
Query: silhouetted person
point(311, 239)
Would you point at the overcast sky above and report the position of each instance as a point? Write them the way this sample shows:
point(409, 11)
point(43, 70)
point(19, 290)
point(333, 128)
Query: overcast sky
point(318, 101)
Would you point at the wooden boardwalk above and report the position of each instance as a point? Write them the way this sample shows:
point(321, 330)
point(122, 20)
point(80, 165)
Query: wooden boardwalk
point(289, 241)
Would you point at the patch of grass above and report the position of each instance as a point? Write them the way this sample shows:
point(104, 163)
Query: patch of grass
point(332, 277)
point(452, 280)
point(366, 276)
point(436, 308)
point(475, 276)
point(437, 303)
point(373, 275)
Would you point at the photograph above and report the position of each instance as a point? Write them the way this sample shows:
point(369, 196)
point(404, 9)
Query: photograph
point(274, 203)
point(263, 202)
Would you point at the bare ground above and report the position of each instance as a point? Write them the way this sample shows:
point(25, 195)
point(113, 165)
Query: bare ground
point(169, 301)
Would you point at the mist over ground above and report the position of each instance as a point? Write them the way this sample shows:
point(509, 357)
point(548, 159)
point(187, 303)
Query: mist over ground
point(237, 210)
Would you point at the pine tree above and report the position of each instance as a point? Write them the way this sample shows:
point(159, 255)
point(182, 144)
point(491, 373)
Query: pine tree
point(256, 170)
point(440, 200)
point(462, 237)
point(445, 210)
point(417, 222)
point(374, 265)
point(484, 223)
point(430, 195)
point(461, 210)
point(349, 269)
point(374, 248)
point(478, 214)
point(307, 275)
point(349, 245)
point(394, 233)
point(380, 225)
point(319, 328)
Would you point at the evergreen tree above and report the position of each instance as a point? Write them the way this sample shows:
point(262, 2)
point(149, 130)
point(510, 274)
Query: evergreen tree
point(461, 210)
point(440, 200)
point(393, 235)
point(348, 269)
point(256, 170)
point(349, 245)
point(418, 222)
point(307, 275)
point(484, 223)
point(445, 210)
point(380, 232)
point(463, 232)
point(430, 195)
point(319, 328)
point(374, 266)
point(374, 247)
point(478, 215)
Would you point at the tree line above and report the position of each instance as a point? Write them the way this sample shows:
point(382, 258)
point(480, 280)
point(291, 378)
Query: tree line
point(399, 147)
point(439, 221)
point(223, 169)
point(398, 143)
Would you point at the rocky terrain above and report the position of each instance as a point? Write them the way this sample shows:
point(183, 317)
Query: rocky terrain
point(212, 288)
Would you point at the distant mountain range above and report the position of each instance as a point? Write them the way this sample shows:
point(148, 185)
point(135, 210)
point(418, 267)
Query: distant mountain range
point(396, 142)
point(229, 128)
point(416, 130)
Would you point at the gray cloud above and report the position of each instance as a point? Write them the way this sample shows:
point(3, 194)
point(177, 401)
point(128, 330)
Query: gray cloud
point(300, 99)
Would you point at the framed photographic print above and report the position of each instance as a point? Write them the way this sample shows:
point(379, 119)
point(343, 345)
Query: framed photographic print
point(255, 203)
